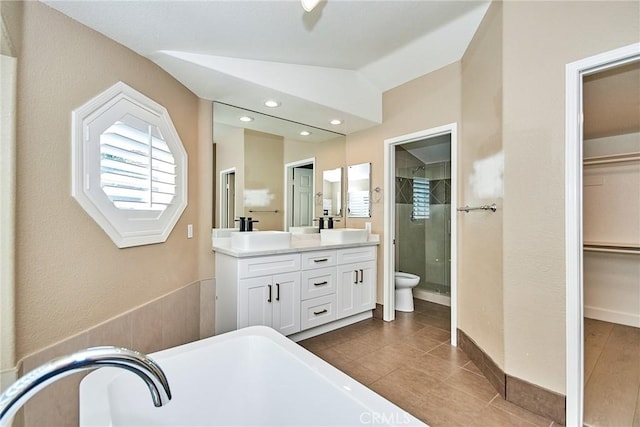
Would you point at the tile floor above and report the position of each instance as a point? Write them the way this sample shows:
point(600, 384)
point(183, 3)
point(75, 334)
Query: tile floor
point(410, 362)
point(611, 374)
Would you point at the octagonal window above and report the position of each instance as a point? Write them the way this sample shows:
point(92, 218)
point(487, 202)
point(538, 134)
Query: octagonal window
point(130, 168)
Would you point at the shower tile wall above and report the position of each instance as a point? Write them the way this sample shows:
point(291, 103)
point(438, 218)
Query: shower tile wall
point(423, 246)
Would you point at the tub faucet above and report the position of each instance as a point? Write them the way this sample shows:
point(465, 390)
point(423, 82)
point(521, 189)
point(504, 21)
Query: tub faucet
point(96, 357)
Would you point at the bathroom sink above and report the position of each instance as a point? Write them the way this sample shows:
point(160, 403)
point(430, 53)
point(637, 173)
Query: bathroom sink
point(222, 232)
point(344, 235)
point(260, 240)
point(304, 230)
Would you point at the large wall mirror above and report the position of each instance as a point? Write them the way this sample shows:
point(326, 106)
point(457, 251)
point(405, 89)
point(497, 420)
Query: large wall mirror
point(269, 156)
point(359, 190)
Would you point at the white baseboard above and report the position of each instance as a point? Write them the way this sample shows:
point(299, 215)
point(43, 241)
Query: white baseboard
point(621, 318)
point(432, 297)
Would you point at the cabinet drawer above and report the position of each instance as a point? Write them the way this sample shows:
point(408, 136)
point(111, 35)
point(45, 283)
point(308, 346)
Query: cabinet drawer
point(318, 282)
point(267, 265)
point(318, 259)
point(318, 311)
point(348, 256)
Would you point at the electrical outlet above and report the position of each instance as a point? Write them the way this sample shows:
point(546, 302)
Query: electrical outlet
point(189, 231)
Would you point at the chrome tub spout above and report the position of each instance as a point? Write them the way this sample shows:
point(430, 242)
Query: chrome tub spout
point(96, 357)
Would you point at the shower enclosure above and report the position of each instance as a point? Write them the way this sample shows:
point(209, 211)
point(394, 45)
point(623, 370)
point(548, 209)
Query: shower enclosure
point(423, 212)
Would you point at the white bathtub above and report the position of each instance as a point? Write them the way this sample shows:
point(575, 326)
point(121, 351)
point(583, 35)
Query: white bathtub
point(250, 377)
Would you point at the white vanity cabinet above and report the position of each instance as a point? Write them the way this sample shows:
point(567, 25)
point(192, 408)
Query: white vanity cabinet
point(356, 280)
point(297, 291)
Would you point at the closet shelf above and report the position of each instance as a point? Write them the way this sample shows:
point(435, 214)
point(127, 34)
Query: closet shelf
point(613, 158)
point(617, 248)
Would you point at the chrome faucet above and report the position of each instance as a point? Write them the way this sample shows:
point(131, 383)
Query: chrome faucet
point(96, 357)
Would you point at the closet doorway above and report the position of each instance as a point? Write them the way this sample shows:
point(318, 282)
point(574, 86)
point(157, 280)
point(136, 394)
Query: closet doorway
point(603, 238)
point(611, 237)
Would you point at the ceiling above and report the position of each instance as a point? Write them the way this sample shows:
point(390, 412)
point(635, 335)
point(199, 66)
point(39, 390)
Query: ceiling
point(333, 62)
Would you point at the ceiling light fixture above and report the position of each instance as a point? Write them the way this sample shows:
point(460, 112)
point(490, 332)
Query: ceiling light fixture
point(336, 122)
point(246, 119)
point(305, 133)
point(308, 5)
point(271, 103)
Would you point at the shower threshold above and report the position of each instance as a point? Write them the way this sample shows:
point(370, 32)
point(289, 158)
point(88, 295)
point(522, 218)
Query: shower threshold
point(432, 296)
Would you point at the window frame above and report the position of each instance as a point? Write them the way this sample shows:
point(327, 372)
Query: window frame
point(125, 227)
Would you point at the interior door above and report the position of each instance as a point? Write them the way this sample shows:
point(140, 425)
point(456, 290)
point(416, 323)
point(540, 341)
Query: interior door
point(302, 197)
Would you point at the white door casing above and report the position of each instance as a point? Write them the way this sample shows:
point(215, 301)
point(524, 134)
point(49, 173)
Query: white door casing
point(389, 220)
point(574, 73)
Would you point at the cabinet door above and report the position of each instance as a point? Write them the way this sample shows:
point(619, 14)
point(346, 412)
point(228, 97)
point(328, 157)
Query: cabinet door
point(255, 305)
point(286, 303)
point(366, 288)
point(347, 293)
point(357, 287)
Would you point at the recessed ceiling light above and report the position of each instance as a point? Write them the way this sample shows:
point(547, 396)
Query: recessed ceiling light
point(305, 133)
point(336, 122)
point(246, 119)
point(271, 103)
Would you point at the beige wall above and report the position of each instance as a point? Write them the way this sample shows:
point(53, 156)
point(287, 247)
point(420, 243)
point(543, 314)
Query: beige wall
point(264, 171)
point(69, 274)
point(426, 102)
point(533, 140)
point(297, 150)
point(480, 287)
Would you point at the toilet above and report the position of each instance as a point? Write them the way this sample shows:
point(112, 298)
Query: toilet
point(404, 297)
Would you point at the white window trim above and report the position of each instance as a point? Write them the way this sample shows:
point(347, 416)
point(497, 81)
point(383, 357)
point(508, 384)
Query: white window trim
point(125, 227)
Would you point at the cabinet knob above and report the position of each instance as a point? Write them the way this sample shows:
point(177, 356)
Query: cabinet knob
point(269, 295)
point(320, 312)
point(320, 283)
point(277, 291)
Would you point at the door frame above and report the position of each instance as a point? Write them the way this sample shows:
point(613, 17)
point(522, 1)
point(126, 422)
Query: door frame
point(288, 168)
point(574, 73)
point(389, 219)
point(8, 100)
point(223, 201)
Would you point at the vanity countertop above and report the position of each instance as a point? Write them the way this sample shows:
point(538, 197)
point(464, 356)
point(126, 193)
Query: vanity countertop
point(299, 243)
